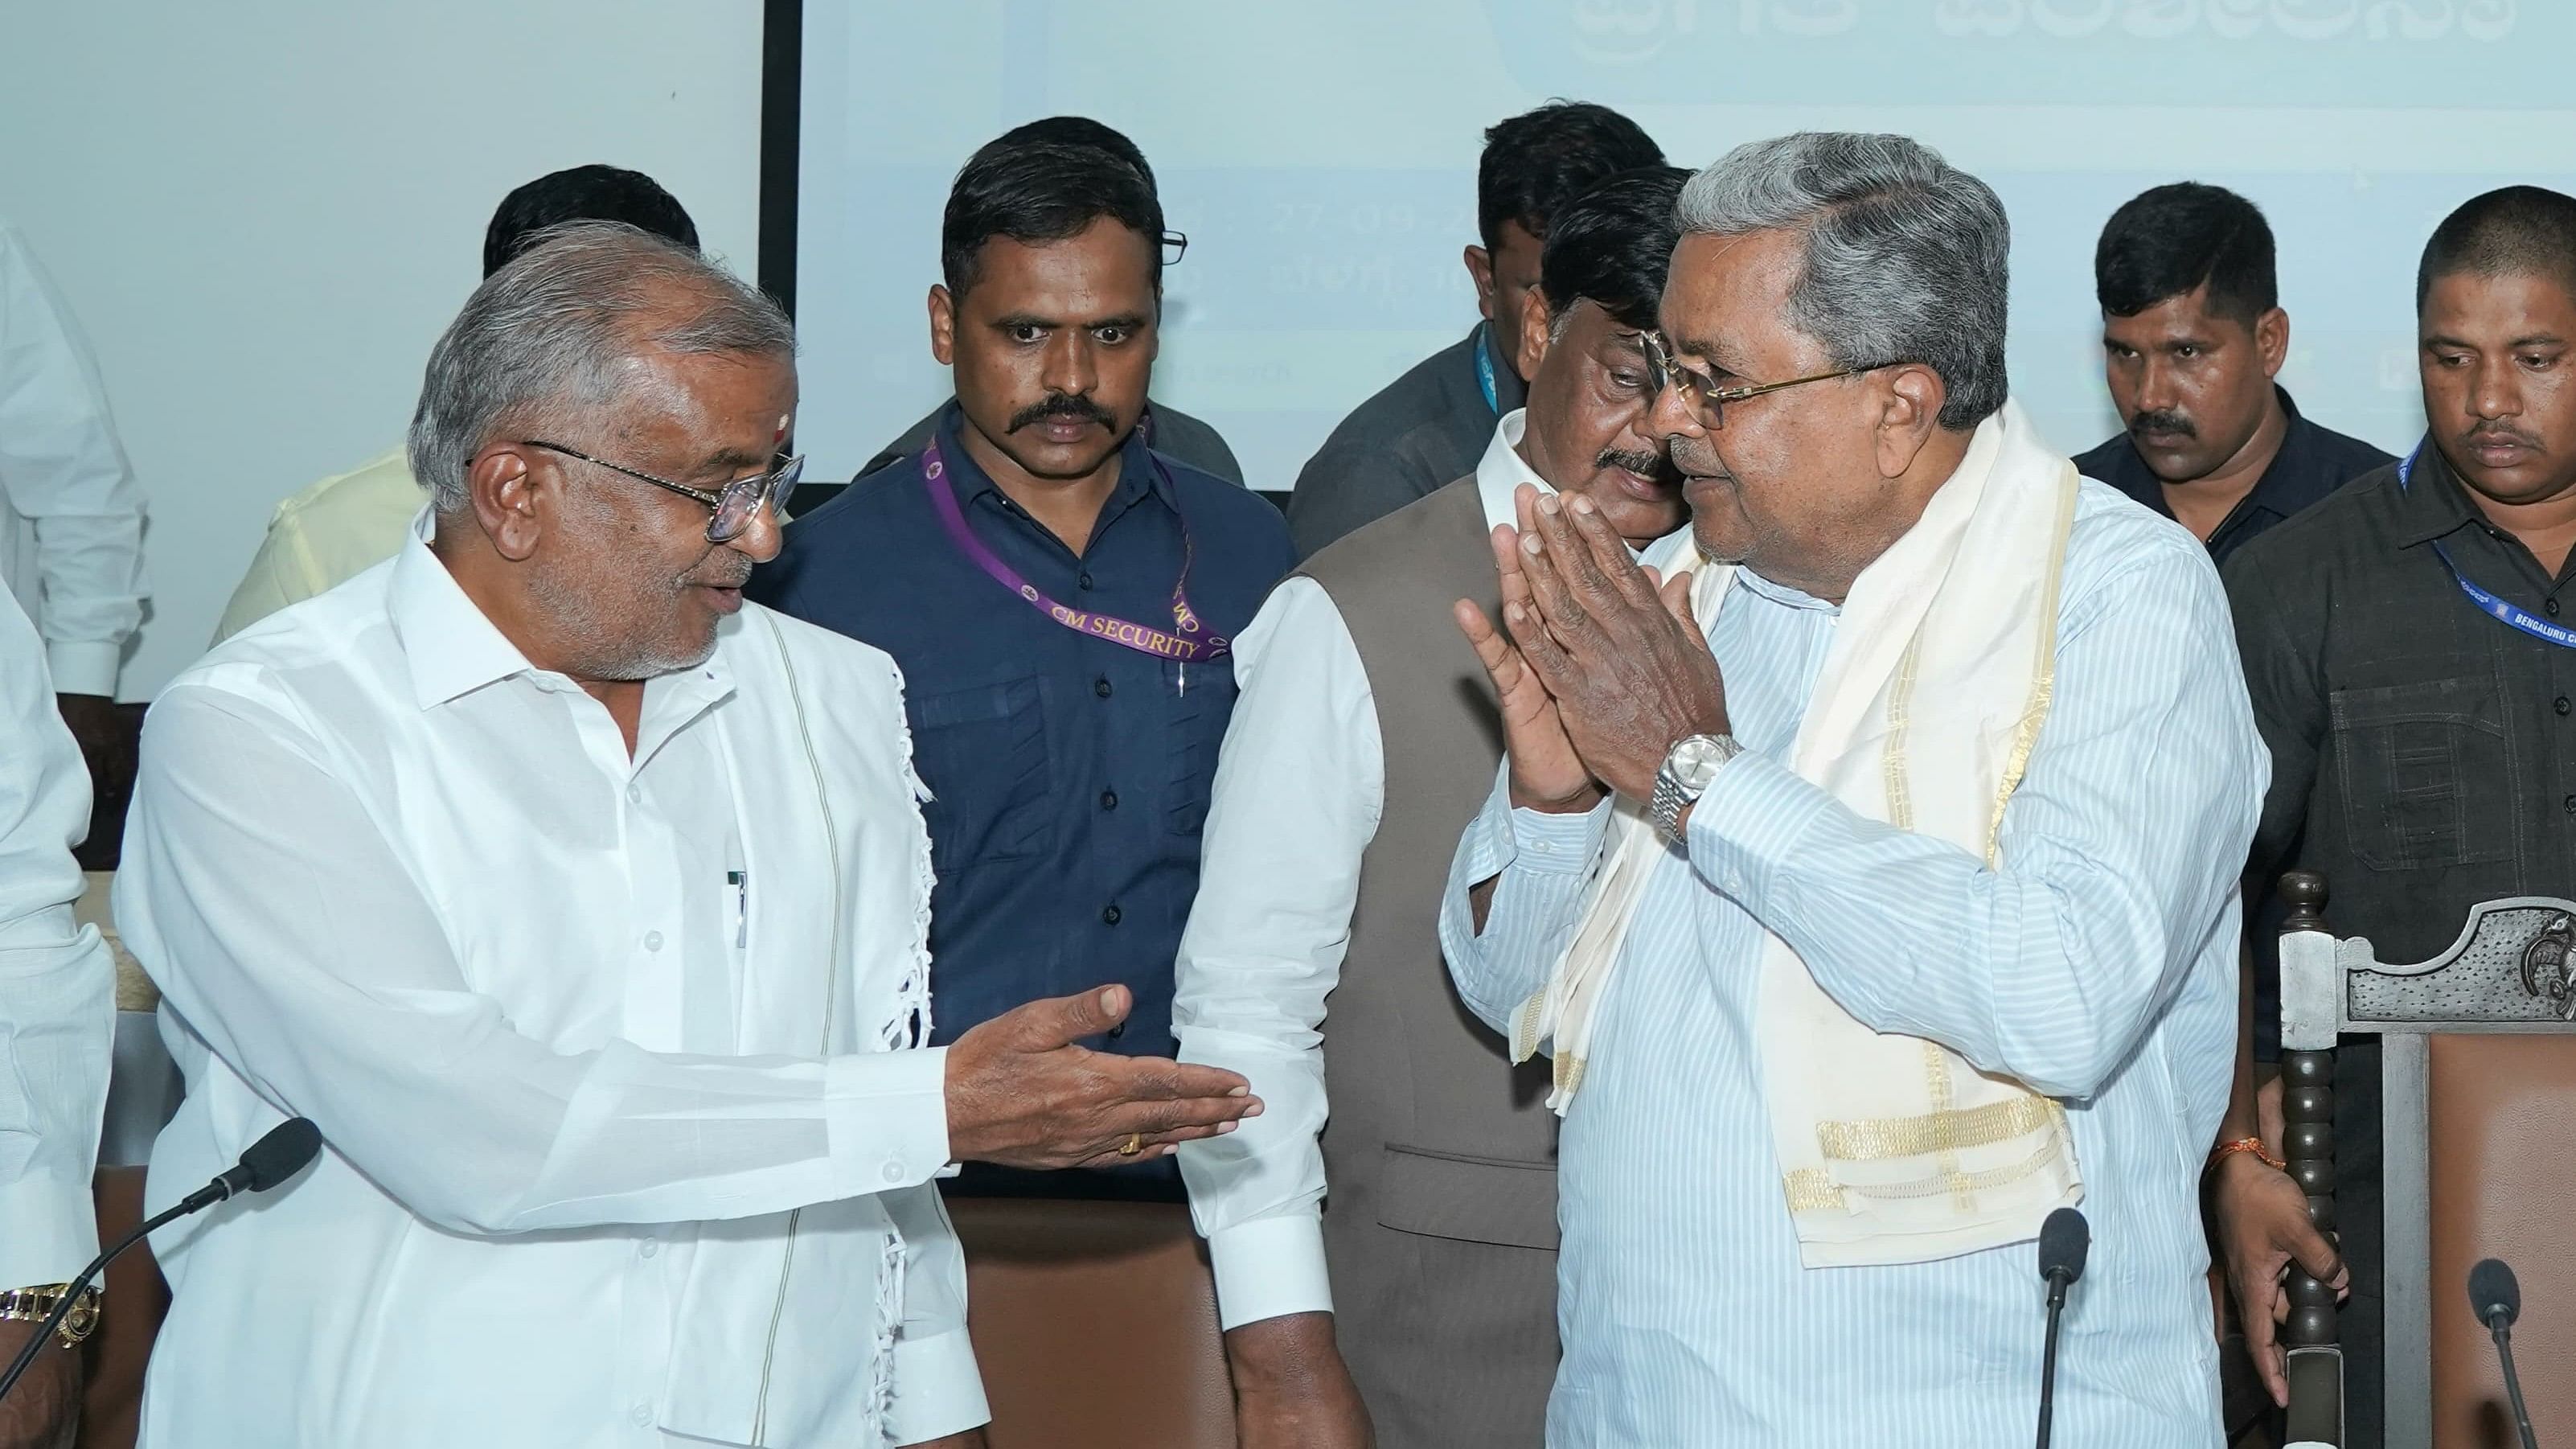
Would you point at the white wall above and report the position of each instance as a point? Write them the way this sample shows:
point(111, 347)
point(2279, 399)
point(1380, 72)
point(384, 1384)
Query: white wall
point(1322, 156)
point(264, 214)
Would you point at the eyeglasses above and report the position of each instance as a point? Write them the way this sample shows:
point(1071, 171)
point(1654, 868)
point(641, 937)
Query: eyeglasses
point(734, 505)
point(1704, 396)
point(1176, 245)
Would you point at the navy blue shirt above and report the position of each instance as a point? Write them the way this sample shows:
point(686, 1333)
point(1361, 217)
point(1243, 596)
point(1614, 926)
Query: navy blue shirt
point(1070, 774)
point(2313, 462)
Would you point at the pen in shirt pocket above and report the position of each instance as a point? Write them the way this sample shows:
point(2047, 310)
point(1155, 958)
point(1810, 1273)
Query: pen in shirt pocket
point(740, 880)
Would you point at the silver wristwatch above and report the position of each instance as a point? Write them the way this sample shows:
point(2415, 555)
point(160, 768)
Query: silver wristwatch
point(1688, 769)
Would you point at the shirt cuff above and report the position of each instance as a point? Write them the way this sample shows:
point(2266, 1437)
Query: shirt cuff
point(888, 1115)
point(1558, 844)
point(1269, 1268)
point(83, 666)
point(1748, 823)
point(937, 1389)
point(52, 1230)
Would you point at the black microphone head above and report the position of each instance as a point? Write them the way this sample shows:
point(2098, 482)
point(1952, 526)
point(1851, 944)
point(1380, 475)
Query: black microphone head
point(2493, 1293)
point(280, 1154)
point(2063, 1241)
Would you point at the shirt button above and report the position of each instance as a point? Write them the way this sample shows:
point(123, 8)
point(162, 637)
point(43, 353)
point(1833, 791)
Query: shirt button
point(2550, 605)
point(1085, 580)
point(634, 794)
point(1109, 798)
point(642, 1414)
point(2559, 704)
point(1111, 915)
point(2571, 804)
point(1100, 687)
point(652, 940)
point(652, 1247)
point(893, 1170)
point(1117, 1031)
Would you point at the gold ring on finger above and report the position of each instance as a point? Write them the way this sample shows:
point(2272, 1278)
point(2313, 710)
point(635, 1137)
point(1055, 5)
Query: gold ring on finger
point(1134, 1144)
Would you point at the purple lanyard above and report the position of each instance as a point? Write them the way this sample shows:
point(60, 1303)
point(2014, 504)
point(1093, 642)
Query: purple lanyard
point(1184, 645)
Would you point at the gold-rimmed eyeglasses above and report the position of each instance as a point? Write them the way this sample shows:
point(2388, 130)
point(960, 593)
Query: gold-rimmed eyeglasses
point(1705, 397)
point(734, 505)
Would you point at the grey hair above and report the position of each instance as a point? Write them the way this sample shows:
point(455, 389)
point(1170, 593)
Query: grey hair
point(546, 334)
point(1905, 253)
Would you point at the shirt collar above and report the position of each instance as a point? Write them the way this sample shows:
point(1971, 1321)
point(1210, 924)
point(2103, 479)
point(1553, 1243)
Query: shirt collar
point(2432, 504)
point(1782, 594)
point(1501, 472)
point(452, 648)
point(448, 644)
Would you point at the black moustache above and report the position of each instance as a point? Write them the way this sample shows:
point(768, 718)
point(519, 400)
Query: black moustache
point(1062, 405)
point(1644, 465)
point(2501, 435)
point(2145, 423)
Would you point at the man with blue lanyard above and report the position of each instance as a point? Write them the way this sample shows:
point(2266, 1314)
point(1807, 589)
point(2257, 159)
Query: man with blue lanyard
point(2411, 654)
point(1432, 425)
point(1059, 597)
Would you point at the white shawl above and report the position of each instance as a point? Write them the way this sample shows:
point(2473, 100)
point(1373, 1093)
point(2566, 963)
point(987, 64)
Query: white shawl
point(1892, 1149)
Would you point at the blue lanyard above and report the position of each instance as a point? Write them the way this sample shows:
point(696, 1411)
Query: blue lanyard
point(1485, 372)
point(2504, 610)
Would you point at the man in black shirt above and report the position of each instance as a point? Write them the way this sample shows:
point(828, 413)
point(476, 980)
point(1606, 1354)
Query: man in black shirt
point(2192, 334)
point(2411, 659)
point(1429, 426)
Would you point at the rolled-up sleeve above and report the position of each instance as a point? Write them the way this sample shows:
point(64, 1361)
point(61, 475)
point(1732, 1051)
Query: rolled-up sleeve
point(64, 471)
point(2120, 848)
point(57, 985)
point(287, 934)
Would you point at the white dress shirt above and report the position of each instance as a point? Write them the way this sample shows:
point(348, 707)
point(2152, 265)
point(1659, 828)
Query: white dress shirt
point(57, 985)
point(583, 1033)
point(71, 514)
point(2097, 965)
point(1299, 786)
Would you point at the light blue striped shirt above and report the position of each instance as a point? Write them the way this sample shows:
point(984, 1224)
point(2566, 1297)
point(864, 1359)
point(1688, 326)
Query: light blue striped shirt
point(2099, 966)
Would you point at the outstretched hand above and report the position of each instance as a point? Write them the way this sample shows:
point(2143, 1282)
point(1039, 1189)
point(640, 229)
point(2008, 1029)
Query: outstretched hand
point(1021, 1094)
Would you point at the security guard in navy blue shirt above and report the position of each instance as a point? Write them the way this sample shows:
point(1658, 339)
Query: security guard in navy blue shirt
point(1059, 597)
point(2192, 334)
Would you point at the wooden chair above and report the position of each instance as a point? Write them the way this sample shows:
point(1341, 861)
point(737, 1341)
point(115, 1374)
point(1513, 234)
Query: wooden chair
point(1094, 1324)
point(2478, 1156)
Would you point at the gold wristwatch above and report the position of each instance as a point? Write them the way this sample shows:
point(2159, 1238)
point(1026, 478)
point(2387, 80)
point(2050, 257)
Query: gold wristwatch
point(35, 1305)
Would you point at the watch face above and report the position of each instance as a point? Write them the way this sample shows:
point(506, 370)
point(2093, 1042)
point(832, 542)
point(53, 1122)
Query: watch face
point(1695, 760)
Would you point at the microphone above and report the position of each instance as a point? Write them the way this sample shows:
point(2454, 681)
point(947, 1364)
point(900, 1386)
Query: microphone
point(2497, 1300)
point(275, 1157)
point(2063, 1241)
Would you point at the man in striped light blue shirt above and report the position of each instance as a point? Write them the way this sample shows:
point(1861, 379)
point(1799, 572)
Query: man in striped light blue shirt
point(2094, 965)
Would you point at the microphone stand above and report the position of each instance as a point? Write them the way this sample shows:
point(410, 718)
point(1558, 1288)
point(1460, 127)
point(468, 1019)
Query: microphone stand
point(2057, 1285)
point(2500, 1328)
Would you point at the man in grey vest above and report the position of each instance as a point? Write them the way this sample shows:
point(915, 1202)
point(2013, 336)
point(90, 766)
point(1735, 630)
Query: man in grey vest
point(1422, 1281)
point(1432, 424)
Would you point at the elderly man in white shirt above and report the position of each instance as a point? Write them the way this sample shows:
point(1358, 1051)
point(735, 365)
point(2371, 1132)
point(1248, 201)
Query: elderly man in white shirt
point(71, 514)
point(1412, 1237)
point(1898, 908)
point(57, 1008)
point(583, 906)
